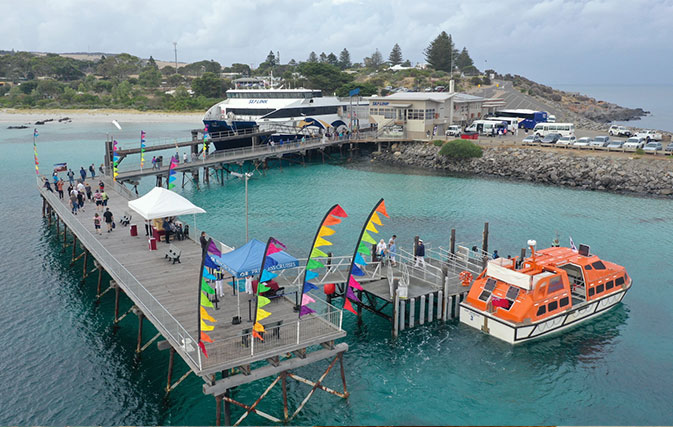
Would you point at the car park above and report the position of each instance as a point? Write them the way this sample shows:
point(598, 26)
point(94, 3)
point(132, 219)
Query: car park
point(453, 130)
point(566, 140)
point(634, 143)
point(531, 139)
point(653, 146)
point(551, 138)
point(649, 135)
point(619, 131)
point(600, 141)
point(615, 144)
point(669, 147)
point(582, 142)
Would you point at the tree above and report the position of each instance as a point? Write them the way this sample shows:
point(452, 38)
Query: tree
point(150, 77)
point(406, 63)
point(332, 59)
point(395, 56)
point(375, 60)
point(366, 89)
point(344, 59)
point(323, 57)
point(312, 57)
point(464, 62)
point(323, 76)
point(243, 69)
point(209, 85)
point(152, 63)
point(441, 52)
point(271, 59)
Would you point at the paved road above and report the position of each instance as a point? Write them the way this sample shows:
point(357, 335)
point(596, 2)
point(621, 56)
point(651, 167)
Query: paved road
point(514, 98)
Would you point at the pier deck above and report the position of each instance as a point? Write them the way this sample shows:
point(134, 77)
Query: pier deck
point(166, 293)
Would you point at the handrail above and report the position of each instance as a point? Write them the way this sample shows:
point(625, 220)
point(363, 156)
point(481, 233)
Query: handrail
point(149, 305)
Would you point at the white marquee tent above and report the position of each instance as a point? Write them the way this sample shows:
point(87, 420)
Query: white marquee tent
point(161, 203)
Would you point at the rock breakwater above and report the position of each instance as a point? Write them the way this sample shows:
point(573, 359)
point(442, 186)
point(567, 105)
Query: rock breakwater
point(621, 174)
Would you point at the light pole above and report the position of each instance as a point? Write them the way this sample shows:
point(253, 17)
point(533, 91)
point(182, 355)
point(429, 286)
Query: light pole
point(245, 177)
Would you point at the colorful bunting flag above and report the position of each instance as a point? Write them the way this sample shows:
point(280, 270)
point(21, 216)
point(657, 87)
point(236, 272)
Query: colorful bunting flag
point(204, 302)
point(212, 249)
point(272, 246)
point(206, 136)
point(362, 249)
point(35, 135)
point(142, 149)
point(171, 172)
point(332, 217)
point(115, 161)
point(266, 276)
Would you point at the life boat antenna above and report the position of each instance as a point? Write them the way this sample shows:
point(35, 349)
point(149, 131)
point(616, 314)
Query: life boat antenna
point(531, 244)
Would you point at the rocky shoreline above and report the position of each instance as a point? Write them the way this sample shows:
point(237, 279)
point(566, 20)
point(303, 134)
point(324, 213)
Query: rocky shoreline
point(631, 175)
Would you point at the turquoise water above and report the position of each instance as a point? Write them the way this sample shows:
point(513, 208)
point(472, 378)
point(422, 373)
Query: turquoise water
point(61, 363)
point(653, 98)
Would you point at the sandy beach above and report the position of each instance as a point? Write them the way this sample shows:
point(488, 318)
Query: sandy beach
point(16, 117)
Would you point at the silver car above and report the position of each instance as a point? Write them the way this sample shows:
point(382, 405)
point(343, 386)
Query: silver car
point(582, 142)
point(653, 146)
point(566, 140)
point(600, 141)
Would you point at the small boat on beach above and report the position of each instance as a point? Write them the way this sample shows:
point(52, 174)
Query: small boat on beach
point(555, 288)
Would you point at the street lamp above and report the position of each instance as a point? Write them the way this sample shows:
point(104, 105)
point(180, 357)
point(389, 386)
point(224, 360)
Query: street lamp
point(244, 176)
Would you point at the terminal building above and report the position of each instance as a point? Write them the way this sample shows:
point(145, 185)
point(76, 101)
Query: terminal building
point(420, 114)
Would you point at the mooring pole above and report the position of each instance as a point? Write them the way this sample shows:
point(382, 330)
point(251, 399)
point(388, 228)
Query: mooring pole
point(44, 207)
point(284, 385)
point(65, 236)
point(116, 286)
point(141, 317)
point(86, 258)
point(343, 373)
point(169, 379)
point(484, 241)
point(218, 410)
point(227, 404)
point(360, 308)
point(452, 242)
point(58, 226)
point(100, 280)
point(74, 247)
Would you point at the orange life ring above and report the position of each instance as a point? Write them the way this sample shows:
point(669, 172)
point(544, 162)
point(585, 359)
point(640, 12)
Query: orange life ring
point(465, 278)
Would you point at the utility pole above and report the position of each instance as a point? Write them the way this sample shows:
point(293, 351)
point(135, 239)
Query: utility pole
point(175, 49)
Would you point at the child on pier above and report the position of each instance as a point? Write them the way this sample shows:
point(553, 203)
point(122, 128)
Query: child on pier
point(96, 223)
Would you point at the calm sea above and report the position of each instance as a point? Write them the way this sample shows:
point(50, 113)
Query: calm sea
point(61, 363)
point(653, 98)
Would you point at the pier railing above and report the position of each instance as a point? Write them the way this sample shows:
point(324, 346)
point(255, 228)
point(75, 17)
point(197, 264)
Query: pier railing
point(150, 306)
point(429, 274)
point(463, 260)
point(278, 336)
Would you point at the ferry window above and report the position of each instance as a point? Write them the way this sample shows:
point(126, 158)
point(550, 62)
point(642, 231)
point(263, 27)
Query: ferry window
point(512, 293)
point(552, 305)
point(564, 301)
point(490, 284)
point(600, 288)
point(609, 285)
point(541, 310)
point(591, 292)
point(598, 265)
point(588, 267)
point(555, 284)
point(484, 295)
point(619, 281)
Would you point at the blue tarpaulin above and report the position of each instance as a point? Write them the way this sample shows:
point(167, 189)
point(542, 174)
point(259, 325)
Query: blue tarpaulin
point(245, 261)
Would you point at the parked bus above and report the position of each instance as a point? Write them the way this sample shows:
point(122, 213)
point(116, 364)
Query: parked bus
point(528, 118)
point(565, 129)
point(512, 122)
point(486, 127)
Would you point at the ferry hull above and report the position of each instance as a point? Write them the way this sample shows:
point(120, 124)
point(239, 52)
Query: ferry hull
point(515, 334)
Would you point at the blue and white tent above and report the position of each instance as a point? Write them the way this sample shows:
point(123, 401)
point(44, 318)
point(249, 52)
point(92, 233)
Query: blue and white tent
point(245, 261)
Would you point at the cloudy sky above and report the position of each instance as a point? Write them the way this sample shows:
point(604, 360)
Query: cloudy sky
point(551, 41)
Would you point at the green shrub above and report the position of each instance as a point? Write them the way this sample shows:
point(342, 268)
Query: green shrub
point(460, 149)
point(438, 142)
point(640, 151)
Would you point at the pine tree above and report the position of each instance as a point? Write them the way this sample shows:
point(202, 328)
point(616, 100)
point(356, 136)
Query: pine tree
point(344, 59)
point(464, 62)
point(332, 59)
point(312, 57)
point(441, 53)
point(395, 56)
point(323, 57)
point(152, 63)
point(376, 60)
point(271, 58)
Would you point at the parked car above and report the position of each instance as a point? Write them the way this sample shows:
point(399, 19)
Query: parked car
point(615, 144)
point(566, 140)
point(551, 138)
point(619, 131)
point(669, 147)
point(582, 142)
point(653, 146)
point(531, 139)
point(649, 135)
point(600, 141)
point(551, 118)
point(634, 143)
point(453, 130)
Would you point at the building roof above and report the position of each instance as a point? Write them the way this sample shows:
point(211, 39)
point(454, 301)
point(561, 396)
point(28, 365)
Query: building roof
point(464, 97)
point(418, 96)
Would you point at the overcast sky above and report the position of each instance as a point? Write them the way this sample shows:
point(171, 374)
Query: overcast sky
point(554, 41)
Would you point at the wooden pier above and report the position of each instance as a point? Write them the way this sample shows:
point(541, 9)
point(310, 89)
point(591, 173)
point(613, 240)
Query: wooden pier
point(164, 294)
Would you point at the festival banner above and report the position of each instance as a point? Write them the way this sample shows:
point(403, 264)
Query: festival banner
point(206, 137)
point(333, 217)
point(208, 274)
point(171, 172)
point(115, 161)
point(361, 250)
point(142, 149)
point(272, 246)
point(35, 135)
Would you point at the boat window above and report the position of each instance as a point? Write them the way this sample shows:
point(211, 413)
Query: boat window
point(555, 284)
point(609, 285)
point(588, 267)
point(484, 295)
point(619, 281)
point(600, 288)
point(591, 292)
point(564, 301)
point(541, 310)
point(512, 293)
point(552, 305)
point(490, 284)
point(598, 265)
point(626, 277)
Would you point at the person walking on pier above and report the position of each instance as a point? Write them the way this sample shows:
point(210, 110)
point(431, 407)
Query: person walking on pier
point(101, 169)
point(420, 254)
point(104, 197)
point(92, 169)
point(98, 199)
point(73, 201)
point(154, 162)
point(96, 223)
point(392, 251)
point(204, 241)
point(59, 187)
point(47, 185)
point(109, 218)
point(184, 158)
point(87, 188)
point(71, 176)
point(82, 173)
point(381, 249)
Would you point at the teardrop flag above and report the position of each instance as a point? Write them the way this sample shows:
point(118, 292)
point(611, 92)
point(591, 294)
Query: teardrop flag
point(272, 246)
point(308, 287)
point(205, 337)
point(204, 302)
point(348, 306)
point(313, 264)
point(356, 271)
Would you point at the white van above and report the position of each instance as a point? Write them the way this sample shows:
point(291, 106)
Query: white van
point(512, 122)
point(486, 127)
point(565, 129)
